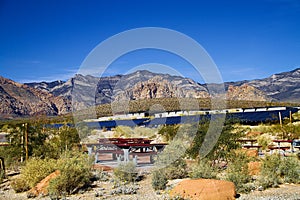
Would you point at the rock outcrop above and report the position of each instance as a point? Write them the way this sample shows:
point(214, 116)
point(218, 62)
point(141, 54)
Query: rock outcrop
point(21, 100)
point(42, 187)
point(204, 189)
point(282, 87)
point(246, 92)
point(158, 87)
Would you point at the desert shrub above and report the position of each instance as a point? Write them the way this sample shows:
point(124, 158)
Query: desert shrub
point(290, 170)
point(177, 169)
point(19, 185)
point(171, 159)
point(159, 180)
point(101, 175)
point(287, 130)
point(203, 169)
point(75, 173)
point(126, 172)
point(125, 189)
point(270, 171)
point(238, 172)
point(276, 170)
point(264, 128)
point(145, 132)
point(32, 173)
point(264, 141)
point(123, 131)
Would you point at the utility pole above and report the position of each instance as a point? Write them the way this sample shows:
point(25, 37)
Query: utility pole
point(26, 141)
point(22, 144)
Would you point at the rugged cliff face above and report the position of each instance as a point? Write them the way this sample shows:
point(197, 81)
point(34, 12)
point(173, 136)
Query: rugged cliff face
point(160, 87)
point(55, 98)
point(246, 92)
point(21, 100)
point(284, 87)
point(142, 85)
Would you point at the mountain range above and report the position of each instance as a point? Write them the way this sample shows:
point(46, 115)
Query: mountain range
point(55, 98)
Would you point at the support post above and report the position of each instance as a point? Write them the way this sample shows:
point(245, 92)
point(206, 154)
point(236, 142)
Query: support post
point(126, 155)
point(280, 119)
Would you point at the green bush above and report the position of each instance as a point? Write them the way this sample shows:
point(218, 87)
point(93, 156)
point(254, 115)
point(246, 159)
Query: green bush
point(159, 180)
point(75, 173)
point(270, 171)
point(171, 159)
point(203, 169)
point(126, 172)
point(19, 185)
point(32, 173)
point(290, 170)
point(264, 141)
point(178, 169)
point(276, 170)
point(238, 172)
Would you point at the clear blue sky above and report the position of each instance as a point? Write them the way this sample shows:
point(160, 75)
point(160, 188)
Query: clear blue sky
point(49, 39)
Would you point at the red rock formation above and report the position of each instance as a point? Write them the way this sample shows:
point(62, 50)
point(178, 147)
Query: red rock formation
point(42, 187)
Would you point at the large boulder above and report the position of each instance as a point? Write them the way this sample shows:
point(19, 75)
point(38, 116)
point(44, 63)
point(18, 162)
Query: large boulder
point(42, 187)
point(204, 189)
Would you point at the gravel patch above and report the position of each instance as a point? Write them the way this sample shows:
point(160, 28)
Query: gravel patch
point(284, 192)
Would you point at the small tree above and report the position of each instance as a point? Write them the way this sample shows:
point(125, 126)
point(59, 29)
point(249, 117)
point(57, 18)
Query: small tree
point(226, 142)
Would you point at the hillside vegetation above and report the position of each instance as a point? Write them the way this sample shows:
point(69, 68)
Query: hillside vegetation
point(174, 104)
